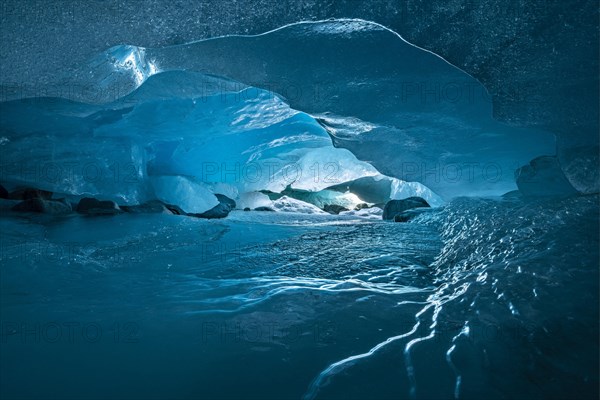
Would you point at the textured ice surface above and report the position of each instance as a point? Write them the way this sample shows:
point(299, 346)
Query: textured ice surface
point(253, 199)
point(379, 189)
point(178, 137)
point(191, 196)
point(371, 213)
point(318, 305)
point(321, 306)
point(404, 110)
point(539, 60)
point(581, 166)
point(288, 204)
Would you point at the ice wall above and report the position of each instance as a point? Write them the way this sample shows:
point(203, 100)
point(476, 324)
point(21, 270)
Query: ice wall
point(405, 110)
point(538, 59)
point(180, 137)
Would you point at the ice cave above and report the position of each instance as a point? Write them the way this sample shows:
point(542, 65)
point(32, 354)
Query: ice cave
point(299, 200)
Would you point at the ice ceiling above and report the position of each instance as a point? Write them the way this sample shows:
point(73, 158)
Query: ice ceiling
point(264, 103)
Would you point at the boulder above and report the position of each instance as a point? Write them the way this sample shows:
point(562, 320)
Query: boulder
point(225, 200)
point(37, 205)
point(512, 195)
point(394, 207)
point(7, 205)
point(221, 210)
point(175, 209)
point(263, 208)
point(29, 193)
point(334, 208)
point(151, 207)
point(408, 215)
point(361, 206)
point(247, 209)
point(543, 177)
point(91, 206)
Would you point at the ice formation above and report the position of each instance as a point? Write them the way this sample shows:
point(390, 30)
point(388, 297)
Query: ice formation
point(243, 111)
point(479, 298)
point(174, 141)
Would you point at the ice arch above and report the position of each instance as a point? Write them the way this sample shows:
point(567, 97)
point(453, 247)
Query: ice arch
point(181, 137)
point(402, 109)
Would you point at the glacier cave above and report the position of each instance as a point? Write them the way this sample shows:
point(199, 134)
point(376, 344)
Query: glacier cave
point(305, 200)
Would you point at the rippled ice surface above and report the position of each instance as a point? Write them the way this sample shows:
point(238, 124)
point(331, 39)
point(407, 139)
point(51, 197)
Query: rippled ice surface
point(483, 298)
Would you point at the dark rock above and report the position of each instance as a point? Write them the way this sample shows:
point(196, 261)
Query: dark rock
point(225, 200)
point(247, 209)
point(407, 215)
point(513, 194)
point(29, 193)
point(334, 208)
point(263, 208)
point(543, 177)
point(91, 206)
point(3, 192)
point(361, 206)
point(579, 164)
point(175, 209)
point(151, 207)
point(394, 207)
point(221, 210)
point(38, 205)
point(7, 205)
point(31, 205)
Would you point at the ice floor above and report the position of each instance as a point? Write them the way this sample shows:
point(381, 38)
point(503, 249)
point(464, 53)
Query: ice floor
point(284, 305)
